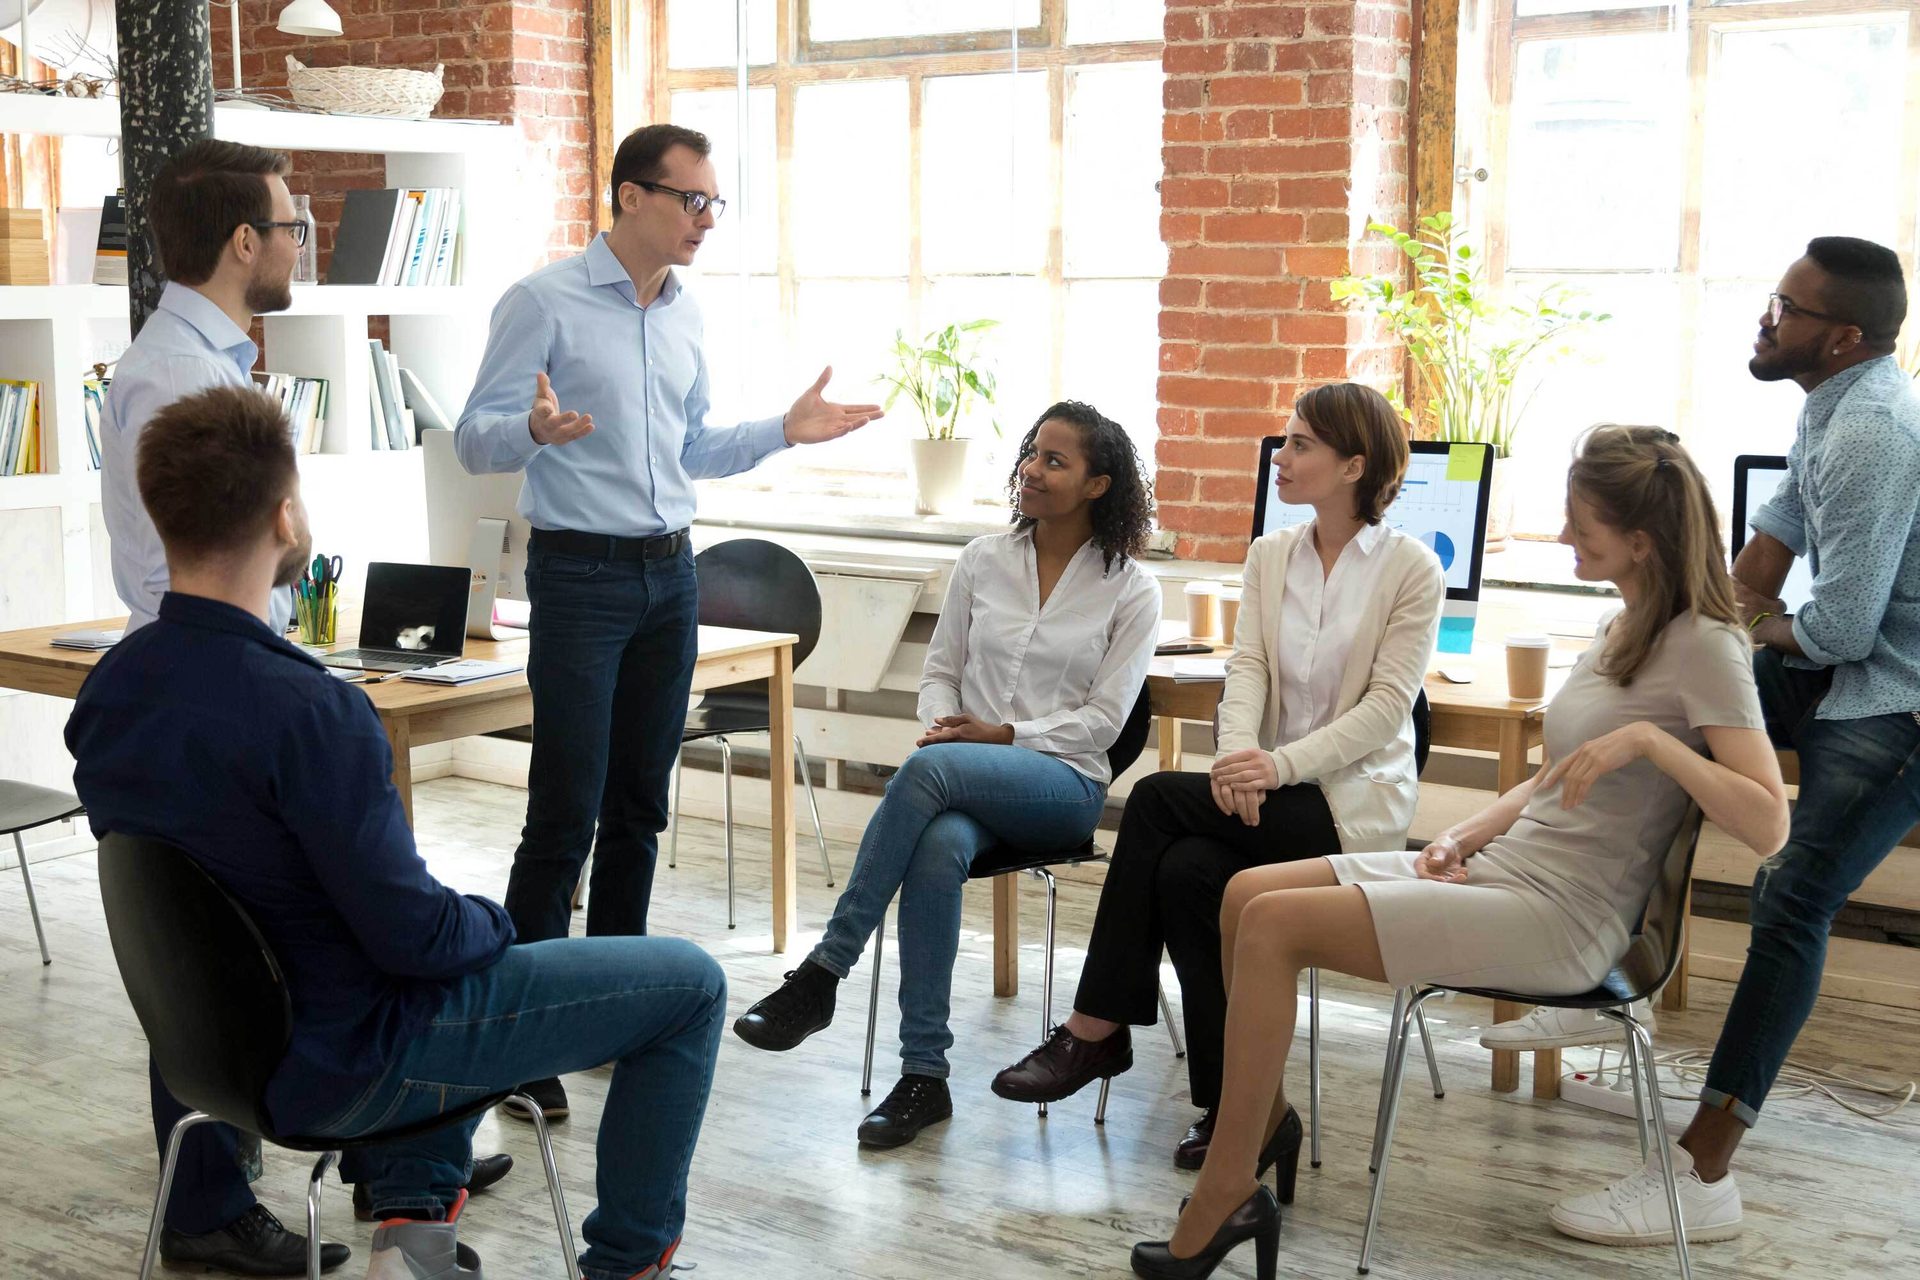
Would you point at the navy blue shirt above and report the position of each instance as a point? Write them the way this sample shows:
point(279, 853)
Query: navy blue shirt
point(207, 730)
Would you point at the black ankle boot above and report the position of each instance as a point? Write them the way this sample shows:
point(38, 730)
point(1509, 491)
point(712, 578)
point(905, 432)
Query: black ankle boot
point(1258, 1220)
point(915, 1103)
point(802, 1005)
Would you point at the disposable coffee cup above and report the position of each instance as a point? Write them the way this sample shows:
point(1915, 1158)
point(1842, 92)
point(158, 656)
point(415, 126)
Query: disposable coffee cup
point(1203, 610)
point(1527, 665)
point(1229, 613)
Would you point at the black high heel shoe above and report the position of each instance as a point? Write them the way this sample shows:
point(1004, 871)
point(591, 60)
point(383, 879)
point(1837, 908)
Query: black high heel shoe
point(1258, 1220)
point(1283, 1149)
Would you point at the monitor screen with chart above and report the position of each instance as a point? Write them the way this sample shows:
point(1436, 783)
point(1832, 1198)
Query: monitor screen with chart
point(1443, 502)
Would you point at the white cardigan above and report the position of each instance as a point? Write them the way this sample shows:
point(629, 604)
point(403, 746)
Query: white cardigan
point(1363, 758)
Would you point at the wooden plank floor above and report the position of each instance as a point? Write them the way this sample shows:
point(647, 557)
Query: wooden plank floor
point(780, 1189)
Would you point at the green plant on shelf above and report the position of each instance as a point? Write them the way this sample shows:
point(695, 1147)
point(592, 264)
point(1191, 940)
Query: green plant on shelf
point(942, 375)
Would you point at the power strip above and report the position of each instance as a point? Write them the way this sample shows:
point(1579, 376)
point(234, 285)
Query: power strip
point(1584, 1090)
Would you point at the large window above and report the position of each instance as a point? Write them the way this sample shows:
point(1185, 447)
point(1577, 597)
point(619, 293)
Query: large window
point(1672, 160)
point(910, 163)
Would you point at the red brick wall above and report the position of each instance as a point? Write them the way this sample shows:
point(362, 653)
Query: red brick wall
point(515, 61)
point(1285, 132)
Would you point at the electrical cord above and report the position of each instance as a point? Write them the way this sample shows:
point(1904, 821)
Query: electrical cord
point(1796, 1080)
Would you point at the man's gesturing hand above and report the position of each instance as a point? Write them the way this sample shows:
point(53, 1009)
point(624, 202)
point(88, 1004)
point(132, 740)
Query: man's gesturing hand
point(547, 424)
point(813, 418)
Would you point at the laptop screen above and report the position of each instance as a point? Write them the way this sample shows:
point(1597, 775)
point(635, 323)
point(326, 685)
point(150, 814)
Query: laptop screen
point(415, 607)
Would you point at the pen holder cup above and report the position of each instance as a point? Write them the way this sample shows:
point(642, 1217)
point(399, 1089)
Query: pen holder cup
point(316, 618)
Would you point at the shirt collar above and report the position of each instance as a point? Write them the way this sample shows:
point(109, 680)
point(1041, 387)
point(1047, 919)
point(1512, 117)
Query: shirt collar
point(1365, 541)
point(217, 615)
point(201, 314)
point(1826, 397)
point(603, 268)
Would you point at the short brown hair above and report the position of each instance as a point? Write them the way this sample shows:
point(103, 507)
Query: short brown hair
point(1357, 421)
point(201, 194)
point(641, 152)
point(214, 468)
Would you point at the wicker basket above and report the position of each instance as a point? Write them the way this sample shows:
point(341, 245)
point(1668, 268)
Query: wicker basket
point(365, 91)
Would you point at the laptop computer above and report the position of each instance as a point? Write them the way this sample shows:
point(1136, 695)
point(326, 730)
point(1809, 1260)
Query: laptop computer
point(414, 616)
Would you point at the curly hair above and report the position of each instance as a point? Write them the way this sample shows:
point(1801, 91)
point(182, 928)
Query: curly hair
point(1123, 515)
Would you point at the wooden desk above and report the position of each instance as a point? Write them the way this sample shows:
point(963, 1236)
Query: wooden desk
point(415, 714)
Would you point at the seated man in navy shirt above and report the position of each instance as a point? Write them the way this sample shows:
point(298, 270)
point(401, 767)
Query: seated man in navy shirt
point(208, 730)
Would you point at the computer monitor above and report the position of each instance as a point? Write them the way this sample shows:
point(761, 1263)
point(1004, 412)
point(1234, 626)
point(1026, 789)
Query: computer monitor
point(472, 521)
point(1755, 478)
point(1443, 502)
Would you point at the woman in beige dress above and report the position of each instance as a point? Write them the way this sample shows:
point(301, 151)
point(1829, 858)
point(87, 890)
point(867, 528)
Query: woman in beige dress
point(1542, 888)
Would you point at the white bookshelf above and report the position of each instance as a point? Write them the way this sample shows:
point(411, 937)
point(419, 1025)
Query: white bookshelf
point(365, 503)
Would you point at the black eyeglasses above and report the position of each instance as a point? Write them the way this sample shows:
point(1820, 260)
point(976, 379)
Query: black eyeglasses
point(694, 202)
point(297, 229)
point(1779, 305)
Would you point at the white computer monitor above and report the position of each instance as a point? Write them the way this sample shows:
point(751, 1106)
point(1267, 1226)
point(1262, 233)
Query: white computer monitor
point(1755, 478)
point(1443, 502)
point(472, 521)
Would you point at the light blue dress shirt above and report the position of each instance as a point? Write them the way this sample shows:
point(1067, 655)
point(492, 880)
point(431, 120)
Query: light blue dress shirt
point(637, 369)
point(187, 345)
point(1850, 502)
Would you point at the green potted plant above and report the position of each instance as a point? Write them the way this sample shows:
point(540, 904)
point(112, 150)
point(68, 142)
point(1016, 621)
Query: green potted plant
point(943, 376)
point(1468, 349)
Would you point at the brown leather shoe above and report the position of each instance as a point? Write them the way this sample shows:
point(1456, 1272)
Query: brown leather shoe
point(1064, 1065)
point(1192, 1151)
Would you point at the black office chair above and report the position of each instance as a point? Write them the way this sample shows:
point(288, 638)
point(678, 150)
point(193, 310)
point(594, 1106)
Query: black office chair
point(1007, 859)
point(1651, 959)
point(24, 806)
point(214, 1005)
point(755, 585)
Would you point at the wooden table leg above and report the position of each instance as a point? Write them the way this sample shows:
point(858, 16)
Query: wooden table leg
point(786, 915)
point(1006, 935)
point(1169, 743)
point(400, 738)
point(1674, 996)
point(1506, 1063)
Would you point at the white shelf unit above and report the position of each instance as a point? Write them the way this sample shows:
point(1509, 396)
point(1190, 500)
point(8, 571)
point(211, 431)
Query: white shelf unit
point(365, 504)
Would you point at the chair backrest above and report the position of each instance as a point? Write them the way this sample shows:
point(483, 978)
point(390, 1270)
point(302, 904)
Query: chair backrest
point(203, 982)
point(1654, 952)
point(1133, 736)
point(1422, 732)
point(758, 585)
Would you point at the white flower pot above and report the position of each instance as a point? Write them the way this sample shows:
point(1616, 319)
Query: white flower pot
point(939, 475)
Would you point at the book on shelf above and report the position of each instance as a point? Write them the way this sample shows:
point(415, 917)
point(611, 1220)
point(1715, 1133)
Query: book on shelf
point(110, 253)
point(304, 401)
point(392, 420)
point(397, 236)
point(94, 391)
point(20, 442)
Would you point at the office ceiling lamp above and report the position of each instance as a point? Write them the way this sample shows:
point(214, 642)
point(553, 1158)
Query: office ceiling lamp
point(309, 18)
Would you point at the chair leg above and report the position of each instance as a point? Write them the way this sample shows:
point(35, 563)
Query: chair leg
point(726, 811)
point(1644, 1052)
point(320, 1167)
point(1396, 1074)
point(1395, 1025)
point(168, 1164)
point(819, 832)
point(1426, 1042)
point(554, 1191)
point(580, 885)
point(873, 1004)
point(673, 834)
point(33, 906)
point(1046, 982)
point(1100, 1112)
point(1632, 1060)
point(1173, 1028)
point(1313, 1068)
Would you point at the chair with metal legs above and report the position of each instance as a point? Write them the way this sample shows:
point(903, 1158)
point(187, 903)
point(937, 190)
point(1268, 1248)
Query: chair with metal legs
point(1650, 960)
point(24, 806)
point(214, 1005)
point(754, 585)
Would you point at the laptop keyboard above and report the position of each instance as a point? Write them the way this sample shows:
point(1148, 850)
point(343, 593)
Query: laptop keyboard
point(390, 657)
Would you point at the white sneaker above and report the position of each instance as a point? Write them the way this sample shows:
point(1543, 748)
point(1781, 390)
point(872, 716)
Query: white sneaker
point(1634, 1209)
point(1546, 1028)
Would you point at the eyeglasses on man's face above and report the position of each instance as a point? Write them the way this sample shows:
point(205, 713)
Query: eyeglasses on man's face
point(1779, 305)
point(694, 202)
point(298, 230)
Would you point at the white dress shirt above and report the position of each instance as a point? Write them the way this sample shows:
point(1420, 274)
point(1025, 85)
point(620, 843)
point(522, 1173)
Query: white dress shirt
point(1318, 619)
point(1066, 675)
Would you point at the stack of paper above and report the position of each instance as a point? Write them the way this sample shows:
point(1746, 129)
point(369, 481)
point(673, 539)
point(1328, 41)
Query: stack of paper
point(1198, 670)
point(87, 640)
point(464, 671)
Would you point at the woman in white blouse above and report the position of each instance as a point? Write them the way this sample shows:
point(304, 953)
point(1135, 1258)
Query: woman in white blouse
point(1315, 751)
point(1039, 655)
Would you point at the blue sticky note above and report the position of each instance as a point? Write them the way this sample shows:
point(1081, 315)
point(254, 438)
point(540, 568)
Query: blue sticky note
point(1456, 635)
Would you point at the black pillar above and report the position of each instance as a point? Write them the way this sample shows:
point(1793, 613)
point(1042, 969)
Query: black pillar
point(166, 102)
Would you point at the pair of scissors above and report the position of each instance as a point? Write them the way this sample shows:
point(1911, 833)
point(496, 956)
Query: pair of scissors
point(325, 571)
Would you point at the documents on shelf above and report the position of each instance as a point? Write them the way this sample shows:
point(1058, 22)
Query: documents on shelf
point(463, 671)
point(304, 401)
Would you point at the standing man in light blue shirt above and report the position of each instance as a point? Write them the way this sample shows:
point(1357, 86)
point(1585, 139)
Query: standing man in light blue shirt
point(594, 384)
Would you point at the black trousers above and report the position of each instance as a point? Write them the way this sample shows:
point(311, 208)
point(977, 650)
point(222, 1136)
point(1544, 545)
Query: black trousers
point(1175, 853)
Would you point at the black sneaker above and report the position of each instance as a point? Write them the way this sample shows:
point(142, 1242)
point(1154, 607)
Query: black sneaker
point(254, 1244)
point(802, 1005)
point(915, 1103)
point(549, 1093)
point(487, 1170)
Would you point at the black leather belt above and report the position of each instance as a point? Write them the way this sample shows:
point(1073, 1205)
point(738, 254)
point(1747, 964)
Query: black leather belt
point(604, 546)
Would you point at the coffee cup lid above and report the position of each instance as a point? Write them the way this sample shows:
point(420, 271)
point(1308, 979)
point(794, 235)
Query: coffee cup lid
point(1203, 588)
point(1230, 593)
point(1528, 640)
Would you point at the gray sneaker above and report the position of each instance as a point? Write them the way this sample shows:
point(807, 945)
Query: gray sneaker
point(408, 1250)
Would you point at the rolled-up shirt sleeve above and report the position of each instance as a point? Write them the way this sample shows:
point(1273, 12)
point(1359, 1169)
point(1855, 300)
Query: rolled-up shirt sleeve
point(1868, 506)
point(1783, 517)
point(493, 435)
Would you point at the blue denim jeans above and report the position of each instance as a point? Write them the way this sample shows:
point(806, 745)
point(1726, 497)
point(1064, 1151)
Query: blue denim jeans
point(610, 666)
point(651, 1006)
point(947, 803)
point(1859, 793)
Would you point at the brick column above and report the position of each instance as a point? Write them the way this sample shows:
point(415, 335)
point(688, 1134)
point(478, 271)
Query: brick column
point(1285, 134)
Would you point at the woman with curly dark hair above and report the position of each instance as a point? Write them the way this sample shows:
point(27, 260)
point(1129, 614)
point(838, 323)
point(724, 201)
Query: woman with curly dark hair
point(1038, 657)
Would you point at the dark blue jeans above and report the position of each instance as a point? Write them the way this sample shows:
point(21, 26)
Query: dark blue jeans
point(610, 666)
point(651, 1006)
point(1859, 793)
